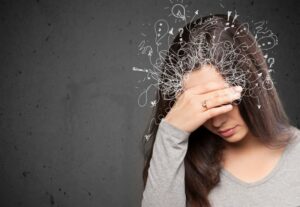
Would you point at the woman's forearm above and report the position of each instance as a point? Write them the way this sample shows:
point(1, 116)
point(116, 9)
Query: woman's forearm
point(165, 183)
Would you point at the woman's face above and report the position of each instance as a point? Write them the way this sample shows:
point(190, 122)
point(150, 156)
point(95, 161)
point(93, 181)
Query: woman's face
point(207, 74)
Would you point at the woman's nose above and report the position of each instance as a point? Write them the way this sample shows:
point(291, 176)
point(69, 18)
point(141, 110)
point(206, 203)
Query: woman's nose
point(218, 121)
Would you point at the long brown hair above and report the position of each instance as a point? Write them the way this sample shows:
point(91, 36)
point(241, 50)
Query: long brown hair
point(269, 122)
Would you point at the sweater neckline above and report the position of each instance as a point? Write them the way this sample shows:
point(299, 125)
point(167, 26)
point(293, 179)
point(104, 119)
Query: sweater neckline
point(262, 180)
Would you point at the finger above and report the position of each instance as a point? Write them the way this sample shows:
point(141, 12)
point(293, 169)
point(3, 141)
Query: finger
point(225, 91)
point(209, 87)
point(222, 98)
point(218, 97)
point(217, 111)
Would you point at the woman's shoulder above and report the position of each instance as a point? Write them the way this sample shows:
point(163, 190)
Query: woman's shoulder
point(295, 133)
point(295, 139)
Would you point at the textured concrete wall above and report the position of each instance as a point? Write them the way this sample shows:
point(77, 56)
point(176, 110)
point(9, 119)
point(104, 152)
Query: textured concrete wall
point(69, 120)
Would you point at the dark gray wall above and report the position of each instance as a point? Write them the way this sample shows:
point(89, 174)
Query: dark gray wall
point(69, 120)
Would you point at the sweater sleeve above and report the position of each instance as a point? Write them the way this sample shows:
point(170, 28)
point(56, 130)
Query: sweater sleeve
point(165, 184)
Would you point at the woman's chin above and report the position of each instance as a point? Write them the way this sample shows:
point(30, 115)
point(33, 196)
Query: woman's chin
point(237, 136)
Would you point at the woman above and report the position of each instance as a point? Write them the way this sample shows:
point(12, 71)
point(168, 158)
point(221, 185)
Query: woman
point(209, 146)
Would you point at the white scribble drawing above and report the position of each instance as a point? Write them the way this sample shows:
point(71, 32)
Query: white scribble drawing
point(147, 137)
point(161, 28)
point(231, 24)
point(178, 11)
point(145, 49)
point(197, 50)
point(266, 38)
point(271, 62)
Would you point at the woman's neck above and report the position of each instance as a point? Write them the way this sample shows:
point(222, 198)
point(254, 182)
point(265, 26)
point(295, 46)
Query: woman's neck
point(246, 144)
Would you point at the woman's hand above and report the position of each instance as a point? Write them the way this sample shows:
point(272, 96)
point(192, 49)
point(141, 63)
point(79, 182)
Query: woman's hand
point(188, 113)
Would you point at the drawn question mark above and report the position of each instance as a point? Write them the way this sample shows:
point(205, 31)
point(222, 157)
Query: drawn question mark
point(180, 30)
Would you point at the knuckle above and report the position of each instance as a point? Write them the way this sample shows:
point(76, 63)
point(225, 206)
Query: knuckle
point(219, 94)
point(220, 99)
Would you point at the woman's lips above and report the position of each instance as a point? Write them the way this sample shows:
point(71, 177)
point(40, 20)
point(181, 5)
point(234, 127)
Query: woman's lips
point(228, 132)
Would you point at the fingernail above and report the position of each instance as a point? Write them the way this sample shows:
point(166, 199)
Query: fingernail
point(238, 88)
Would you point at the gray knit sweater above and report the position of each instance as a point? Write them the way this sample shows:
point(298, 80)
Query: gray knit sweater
point(165, 185)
